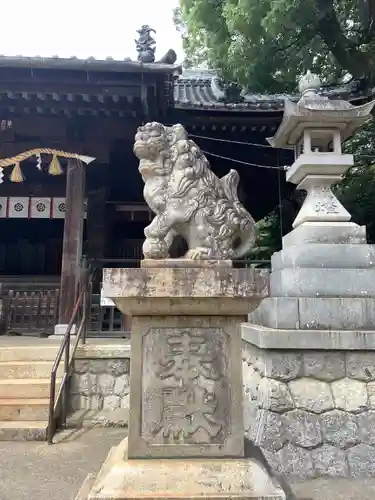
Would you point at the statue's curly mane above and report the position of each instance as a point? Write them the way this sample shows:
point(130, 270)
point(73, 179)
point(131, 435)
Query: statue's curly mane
point(186, 155)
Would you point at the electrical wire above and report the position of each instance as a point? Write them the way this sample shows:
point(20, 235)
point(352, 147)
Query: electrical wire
point(244, 143)
point(231, 142)
point(241, 161)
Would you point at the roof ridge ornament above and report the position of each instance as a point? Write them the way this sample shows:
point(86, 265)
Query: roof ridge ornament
point(146, 44)
point(309, 84)
point(231, 92)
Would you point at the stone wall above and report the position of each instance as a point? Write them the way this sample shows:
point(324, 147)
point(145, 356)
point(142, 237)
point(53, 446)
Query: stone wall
point(311, 412)
point(100, 379)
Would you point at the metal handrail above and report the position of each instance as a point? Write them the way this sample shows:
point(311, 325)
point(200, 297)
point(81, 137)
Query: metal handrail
point(62, 398)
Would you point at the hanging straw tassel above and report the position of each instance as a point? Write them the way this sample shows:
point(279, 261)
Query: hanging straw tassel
point(55, 166)
point(16, 175)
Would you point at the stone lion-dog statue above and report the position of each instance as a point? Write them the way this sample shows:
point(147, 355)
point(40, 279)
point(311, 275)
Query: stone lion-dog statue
point(188, 199)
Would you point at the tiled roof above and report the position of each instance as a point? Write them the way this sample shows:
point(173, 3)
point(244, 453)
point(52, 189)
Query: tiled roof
point(196, 89)
point(89, 64)
point(193, 89)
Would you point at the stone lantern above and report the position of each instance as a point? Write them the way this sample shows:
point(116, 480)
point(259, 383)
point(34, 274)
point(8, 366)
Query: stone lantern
point(311, 343)
point(315, 128)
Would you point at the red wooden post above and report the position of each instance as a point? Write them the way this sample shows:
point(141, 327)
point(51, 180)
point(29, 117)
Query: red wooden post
point(72, 241)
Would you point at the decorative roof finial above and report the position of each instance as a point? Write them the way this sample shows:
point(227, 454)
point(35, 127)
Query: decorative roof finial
point(309, 84)
point(145, 44)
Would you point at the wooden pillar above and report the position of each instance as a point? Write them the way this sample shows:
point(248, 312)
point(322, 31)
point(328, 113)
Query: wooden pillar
point(72, 242)
point(96, 223)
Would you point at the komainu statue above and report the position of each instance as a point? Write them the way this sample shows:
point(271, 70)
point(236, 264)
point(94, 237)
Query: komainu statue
point(188, 199)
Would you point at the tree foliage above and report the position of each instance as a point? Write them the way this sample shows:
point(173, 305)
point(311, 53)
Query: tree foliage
point(357, 191)
point(266, 44)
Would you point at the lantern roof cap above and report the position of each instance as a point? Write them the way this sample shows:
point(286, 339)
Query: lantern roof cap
point(315, 110)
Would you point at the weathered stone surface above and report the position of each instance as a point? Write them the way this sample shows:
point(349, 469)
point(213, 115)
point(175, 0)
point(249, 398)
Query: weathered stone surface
point(210, 237)
point(271, 432)
point(251, 381)
point(371, 394)
point(121, 385)
point(329, 461)
point(297, 462)
point(189, 479)
point(189, 379)
point(96, 402)
point(300, 282)
point(315, 232)
point(324, 365)
point(105, 384)
point(282, 366)
point(191, 291)
point(366, 424)
point(274, 395)
point(285, 340)
point(98, 366)
point(81, 366)
point(326, 255)
point(350, 395)
point(92, 389)
point(250, 411)
point(84, 384)
point(125, 401)
point(111, 402)
point(79, 402)
point(336, 313)
point(276, 312)
point(339, 428)
point(303, 428)
point(311, 395)
point(113, 367)
point(361, 460)
point(360, 365)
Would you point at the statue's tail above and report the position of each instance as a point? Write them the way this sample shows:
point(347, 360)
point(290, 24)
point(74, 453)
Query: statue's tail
point(247, 230)
point(248, 238)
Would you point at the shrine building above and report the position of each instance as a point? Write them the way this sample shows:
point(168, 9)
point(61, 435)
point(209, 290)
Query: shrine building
point(93, 108)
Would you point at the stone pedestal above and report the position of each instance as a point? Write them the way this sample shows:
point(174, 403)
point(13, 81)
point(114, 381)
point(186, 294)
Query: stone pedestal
point(186, 433)
point(309, 362)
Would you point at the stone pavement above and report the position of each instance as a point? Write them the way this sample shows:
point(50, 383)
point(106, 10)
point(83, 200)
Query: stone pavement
point(36, 471)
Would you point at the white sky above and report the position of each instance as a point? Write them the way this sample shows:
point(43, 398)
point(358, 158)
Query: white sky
point(85, 28)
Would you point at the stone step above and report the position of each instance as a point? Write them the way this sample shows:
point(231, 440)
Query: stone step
point(86, 487)
point(24, 409)
point(34, 430)
point(27, 369)
point(29, 353)
point(25, 388)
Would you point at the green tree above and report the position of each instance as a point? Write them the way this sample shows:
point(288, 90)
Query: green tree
point(266, 44)
point(357, 191)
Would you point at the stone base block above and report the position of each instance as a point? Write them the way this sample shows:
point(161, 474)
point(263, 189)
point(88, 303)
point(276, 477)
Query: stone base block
point(326, 232)
point(123, 479)
point(272, 338)
point(300, 282)
point(315, 313)
point(310, 400)
point(325, 256)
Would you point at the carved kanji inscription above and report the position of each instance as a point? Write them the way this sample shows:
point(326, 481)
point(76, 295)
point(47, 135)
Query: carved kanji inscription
point(186, 397)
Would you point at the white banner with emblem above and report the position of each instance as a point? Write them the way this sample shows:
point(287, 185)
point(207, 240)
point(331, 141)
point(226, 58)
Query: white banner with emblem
point(22, 207)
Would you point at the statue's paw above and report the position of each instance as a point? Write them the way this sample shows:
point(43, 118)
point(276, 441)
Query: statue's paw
point(154, 249)
point(199, 253)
